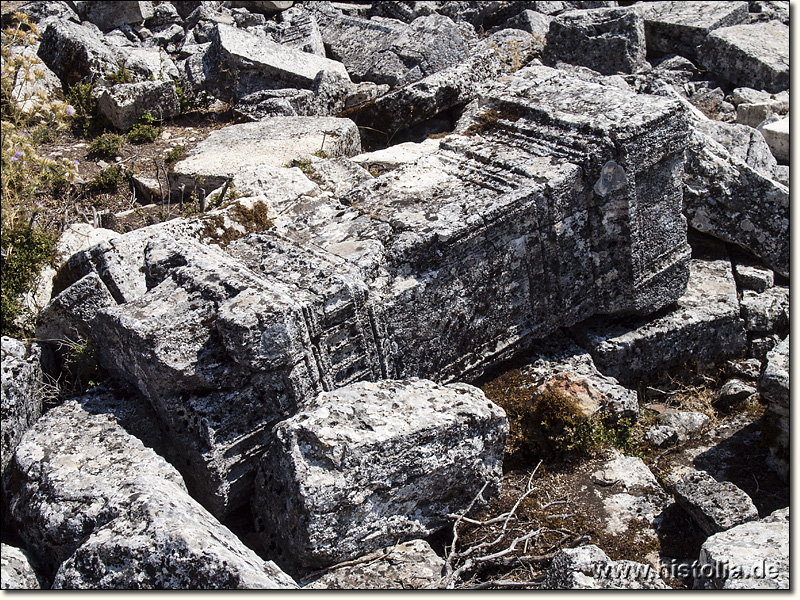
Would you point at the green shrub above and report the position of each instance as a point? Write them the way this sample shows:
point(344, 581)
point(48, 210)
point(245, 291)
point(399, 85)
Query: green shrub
point(192, 102)
point(107, 145)
point(144, 131)
point(174, 155)
point(121, 76)
point(26, 250)
point(88, 119)
point(107, 180)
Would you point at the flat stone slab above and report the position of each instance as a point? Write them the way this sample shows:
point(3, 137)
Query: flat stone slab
point(751, 556)
point(714, 505)
point(704, 326)
point(754, 55)
point(680, 27)
point(272, 143)
point(408, 566)
point(777, 136)
point(369, 464)
point(100, 510)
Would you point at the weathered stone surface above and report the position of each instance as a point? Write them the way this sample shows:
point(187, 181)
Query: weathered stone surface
point(773, 385)
point(124, 103)
point(680, 27)
point(244, 63)
point(751, 556)
point(766, 312)
point(753, 277)
point(95, 505)
point(754, 106)
point(777, 137)
point(110, 15)
point(742, 142)
point(704, 326)
point(725, 197)
point(38, 91)
point(298, 29)
point(684, 422)
point(262, 6)
point(560, 355)
point(22, 392)
point(715, 505)
point(608, 40)
point(74, 52)
point(373, 463)
point(733, 391)
point(272, 143)
point(393, 157)
point(754, 55)
point(17, 571)
point(408, 566)
point(388, 51)
point(543, 110)
point(500, 53)
point(662, 436)
point(588, 567)
point(337, 175)
point(531, 21)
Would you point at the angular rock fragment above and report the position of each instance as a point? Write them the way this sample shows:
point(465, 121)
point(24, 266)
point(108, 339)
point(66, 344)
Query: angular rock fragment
point(387, 51)
point(75, 52)
point(531, 21)
point(408, 566)
point(246, 63)
point(752, 277)
point(337, 175)
point(125, 103)
point(607, 40)
point(390, 158)
point(714, 505)
point(680, 27)
point(98, 509)
point(662, 436)
point(684, 422)
point(298, 29)
point(373, 463)
point(23, 393)
point(110, 15)
point(777, 136)
point(773, 386)
point(766, 312)
point(742, 142)
point(500, 53)
point(726, 198)
point(17, 571)
point(734, 391)
point(754, 55)
point(704, 326)
point(272, 143)
point(753, 555)
point(588, 567)
point(754, 106)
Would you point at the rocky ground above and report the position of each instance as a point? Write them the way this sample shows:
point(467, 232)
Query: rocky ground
point(409, 295)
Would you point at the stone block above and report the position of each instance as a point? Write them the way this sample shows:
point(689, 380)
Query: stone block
point(704, 326)
point(766, 312)
point(753, 277)
point(334, 485)
point(754, 55)
point(607, 40)
point(243, 63)
point(773, 385)
point(18, 573)
point(753, 107)
point(588, 567)
point(123, 104)
point(592, 124)
point(680, 27)
point(408, 566)
point(714, 505)
point(99, 510)
point(110, 15)
point(272, 143)
point(684, 422)
point(754, 555)
point(387, 51)
point(742, 142)
point(76, 52)
point(777, 136)
point(22, 393)
point(728, 199)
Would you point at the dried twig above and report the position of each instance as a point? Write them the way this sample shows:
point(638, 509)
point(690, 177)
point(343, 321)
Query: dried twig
point(365, 560)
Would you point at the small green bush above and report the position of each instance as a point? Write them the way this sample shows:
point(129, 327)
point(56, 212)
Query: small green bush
point(174, 155)
point(26, 251)
point(87, 120)
point(192, 102)
point(107, 180)
point(144, 131)
point(121, 76)
point(107, 145)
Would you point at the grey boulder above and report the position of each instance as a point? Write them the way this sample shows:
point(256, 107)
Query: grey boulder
point(588, 567)
point(773, 385)
point(110, 15)
point(714, 505)
point(125, 103)
point(75, 52)
point(369, 464)
point(17, 571)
